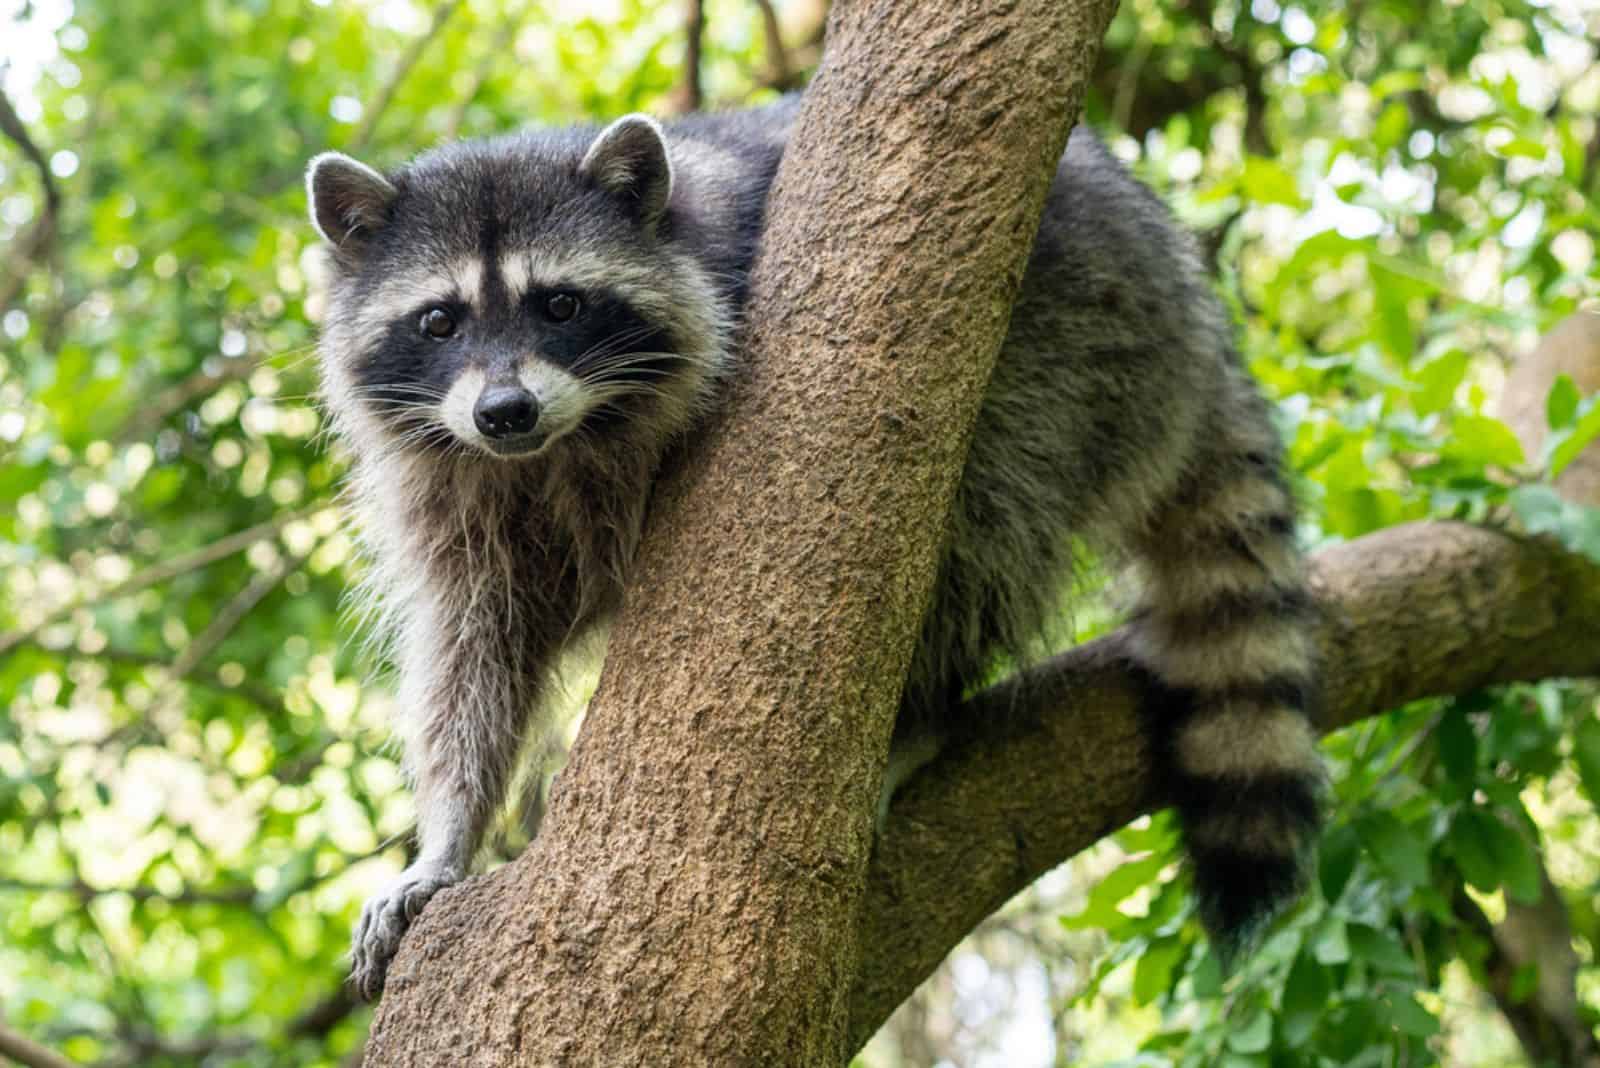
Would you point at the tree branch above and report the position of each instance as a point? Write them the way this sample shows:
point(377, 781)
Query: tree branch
point(504, 43)
point(315, 1021)
point(232, 614)
point(1548, 1018)
point(691, 95)
point(237, 896)
point(34, 244)
point(780, 72)
point(194, 560)
point(413, 54)
point(29, 1053)
point(201, 382)
point(1418, 610)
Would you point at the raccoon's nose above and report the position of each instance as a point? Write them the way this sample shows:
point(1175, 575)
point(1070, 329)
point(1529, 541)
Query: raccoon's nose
point(505, 411)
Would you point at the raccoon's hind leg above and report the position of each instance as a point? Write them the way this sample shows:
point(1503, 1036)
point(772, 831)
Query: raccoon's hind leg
point(1225, 630)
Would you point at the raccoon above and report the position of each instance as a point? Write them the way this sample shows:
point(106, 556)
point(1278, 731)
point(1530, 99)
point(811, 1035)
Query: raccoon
point(521, 330)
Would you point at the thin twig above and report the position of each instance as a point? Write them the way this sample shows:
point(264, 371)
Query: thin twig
point(29, 1053)
point(34, 245)
point(158, 573)
point(374, 112)
point(231, 896)
point(691, 97)
point(780, 72)
point(202, 381)
point(232, 614)
point(234, 896)
point(504, 41)
point(263, 697)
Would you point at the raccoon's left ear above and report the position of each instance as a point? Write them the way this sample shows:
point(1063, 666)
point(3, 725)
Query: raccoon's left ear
point(629, 158)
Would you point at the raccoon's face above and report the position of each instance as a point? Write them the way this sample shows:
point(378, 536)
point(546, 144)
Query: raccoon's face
point(505, 296)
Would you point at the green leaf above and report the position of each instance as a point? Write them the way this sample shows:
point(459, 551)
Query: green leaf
point(1519, 865)
point(1458, 746)
point(1331, 944)
point(1523, 146)
point(1393, 294)
point(1566, 445)
point(1540, 508)
point(1398, 848)
point(1396, 81)
point(1480, 439)
point(1561, 404)
point(1305, 1000)
point(1100, 912)
point(1437, 381)
point(1253, 1034)
point(1152, 976)
point(1206, 976)
point(1380, 950)
point(1266, 182)
point(1408, 1017)
point(1394, 125)
point(1469, 844)
point(1586, 755)
point(1339, 849)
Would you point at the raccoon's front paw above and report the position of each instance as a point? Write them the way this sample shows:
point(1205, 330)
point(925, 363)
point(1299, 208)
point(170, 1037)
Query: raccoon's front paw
point(384, 921)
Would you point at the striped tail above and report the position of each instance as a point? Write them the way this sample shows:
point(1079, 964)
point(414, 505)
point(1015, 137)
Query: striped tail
point(1225, 637)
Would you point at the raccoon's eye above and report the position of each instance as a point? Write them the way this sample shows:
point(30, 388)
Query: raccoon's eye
point(561, 307)
point(438, 323)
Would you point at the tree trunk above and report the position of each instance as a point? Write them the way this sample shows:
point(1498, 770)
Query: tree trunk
point(693, 897)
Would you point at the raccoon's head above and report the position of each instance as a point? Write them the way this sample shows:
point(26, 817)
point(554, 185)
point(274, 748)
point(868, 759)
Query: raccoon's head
point(504, 297)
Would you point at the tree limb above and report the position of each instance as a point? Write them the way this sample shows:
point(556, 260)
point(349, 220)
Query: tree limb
point(1548, 1018)
point(413, 54)
point(155, 574)
point(780, 71)
point(35, 243)
point(315, 1021)
point(29, 1053)
point(232, 614)
point(691, 95)
point(503, 43)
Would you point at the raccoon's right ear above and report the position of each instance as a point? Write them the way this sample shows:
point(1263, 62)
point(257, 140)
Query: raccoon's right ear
point(629, 158)
point(349, 200)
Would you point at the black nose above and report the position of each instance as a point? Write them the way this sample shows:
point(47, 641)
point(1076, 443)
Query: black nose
point(505, 411)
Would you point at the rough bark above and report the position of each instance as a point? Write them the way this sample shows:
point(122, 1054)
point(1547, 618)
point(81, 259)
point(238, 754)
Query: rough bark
point(1413, 611)
point(692, 898)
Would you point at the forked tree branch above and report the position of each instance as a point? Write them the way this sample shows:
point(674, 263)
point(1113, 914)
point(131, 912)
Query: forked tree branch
point(1418, 610)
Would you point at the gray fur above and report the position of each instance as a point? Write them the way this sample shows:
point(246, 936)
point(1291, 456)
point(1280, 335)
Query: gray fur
point(1118, 418)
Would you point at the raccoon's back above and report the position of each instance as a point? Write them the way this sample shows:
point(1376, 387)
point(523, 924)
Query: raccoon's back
point(1117, 359)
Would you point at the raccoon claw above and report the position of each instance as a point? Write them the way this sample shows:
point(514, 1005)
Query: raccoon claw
point(384, 921)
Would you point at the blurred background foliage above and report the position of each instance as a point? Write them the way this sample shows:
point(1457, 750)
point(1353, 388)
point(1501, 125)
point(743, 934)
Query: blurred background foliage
point(1399, 197)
